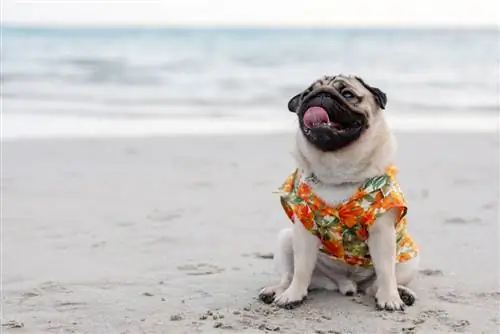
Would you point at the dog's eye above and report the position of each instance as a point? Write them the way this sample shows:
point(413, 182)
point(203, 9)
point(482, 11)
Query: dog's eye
point(347, 94)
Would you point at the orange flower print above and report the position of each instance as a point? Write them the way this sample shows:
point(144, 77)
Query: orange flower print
point(397, 199)
point(288, 185)
point(367, 218)
point(391, 171)
point(303, 191)
point(328, 211)
point(354, 260)
point(378, 201)
point(305, 215)
point(359, 195)
point(349, 213)
point(403, 257)
point(333, 248)
point(317, 203)
point(406, 242)
point(362, 233)
point(394, 200)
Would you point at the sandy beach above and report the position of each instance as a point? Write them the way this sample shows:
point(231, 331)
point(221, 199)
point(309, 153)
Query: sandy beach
point(174, 235)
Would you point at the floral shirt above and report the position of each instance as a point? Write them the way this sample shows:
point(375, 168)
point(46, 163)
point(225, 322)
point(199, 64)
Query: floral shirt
point(343, 230)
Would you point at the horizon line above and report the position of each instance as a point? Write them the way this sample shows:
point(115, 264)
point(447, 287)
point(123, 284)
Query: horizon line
point(13, 25)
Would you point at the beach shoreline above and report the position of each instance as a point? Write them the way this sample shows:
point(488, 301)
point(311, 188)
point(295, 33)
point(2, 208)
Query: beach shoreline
point(173, 235)
point(19, 126)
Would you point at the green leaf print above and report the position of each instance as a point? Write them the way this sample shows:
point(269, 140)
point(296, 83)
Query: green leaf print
point(370, 198)
point(355, 248)
point(376, 183)
point(326, 235)
point(331, 220)
point(349, 235)
point(386, 190)
point(325, 227)
point(323, 224)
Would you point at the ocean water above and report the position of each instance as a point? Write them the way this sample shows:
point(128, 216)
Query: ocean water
point(70, 82)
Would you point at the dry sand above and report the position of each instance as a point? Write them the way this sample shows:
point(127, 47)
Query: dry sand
point(173, 236)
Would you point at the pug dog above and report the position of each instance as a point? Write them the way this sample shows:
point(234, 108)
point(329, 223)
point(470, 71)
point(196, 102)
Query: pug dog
point(349, 229)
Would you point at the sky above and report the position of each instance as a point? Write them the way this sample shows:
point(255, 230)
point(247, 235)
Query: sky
point(251, 12)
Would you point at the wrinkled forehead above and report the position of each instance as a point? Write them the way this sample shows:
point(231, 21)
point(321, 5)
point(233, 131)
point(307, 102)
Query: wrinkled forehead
point(339, 82)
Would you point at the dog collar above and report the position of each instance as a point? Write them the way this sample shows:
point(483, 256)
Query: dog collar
point(390, 171)
point(312, 178)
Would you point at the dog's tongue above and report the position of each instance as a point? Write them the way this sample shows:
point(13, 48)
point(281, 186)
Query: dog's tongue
point(315, 115)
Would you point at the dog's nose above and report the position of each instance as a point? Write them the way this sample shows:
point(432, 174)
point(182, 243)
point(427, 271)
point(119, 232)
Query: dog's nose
point(321, 99)
point(325, 99)
point(324, 95)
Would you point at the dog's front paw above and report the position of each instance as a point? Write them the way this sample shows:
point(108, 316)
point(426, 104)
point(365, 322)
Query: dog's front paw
point(268, 294)
point(389, 300)
point(291, 298)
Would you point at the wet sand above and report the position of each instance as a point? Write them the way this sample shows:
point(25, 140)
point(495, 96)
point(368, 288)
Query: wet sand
point(173, 235)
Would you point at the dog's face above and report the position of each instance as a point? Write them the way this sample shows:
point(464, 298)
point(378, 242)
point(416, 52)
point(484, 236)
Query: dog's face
point(335, 111)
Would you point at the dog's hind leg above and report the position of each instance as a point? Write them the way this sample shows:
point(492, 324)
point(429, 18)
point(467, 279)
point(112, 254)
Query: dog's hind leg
point(319, 281)
point(336, 272)
point(283, 260)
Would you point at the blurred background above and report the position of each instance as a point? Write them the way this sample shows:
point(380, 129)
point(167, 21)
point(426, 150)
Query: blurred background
point(112, 67)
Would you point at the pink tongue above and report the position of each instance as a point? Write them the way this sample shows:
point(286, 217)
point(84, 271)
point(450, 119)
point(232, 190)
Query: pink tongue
point(315, 115)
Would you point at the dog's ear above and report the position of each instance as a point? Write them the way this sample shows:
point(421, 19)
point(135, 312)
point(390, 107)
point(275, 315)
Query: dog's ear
point(380, 96)
point(294, 102)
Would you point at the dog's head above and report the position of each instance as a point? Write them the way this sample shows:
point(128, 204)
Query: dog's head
point(335, 111)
